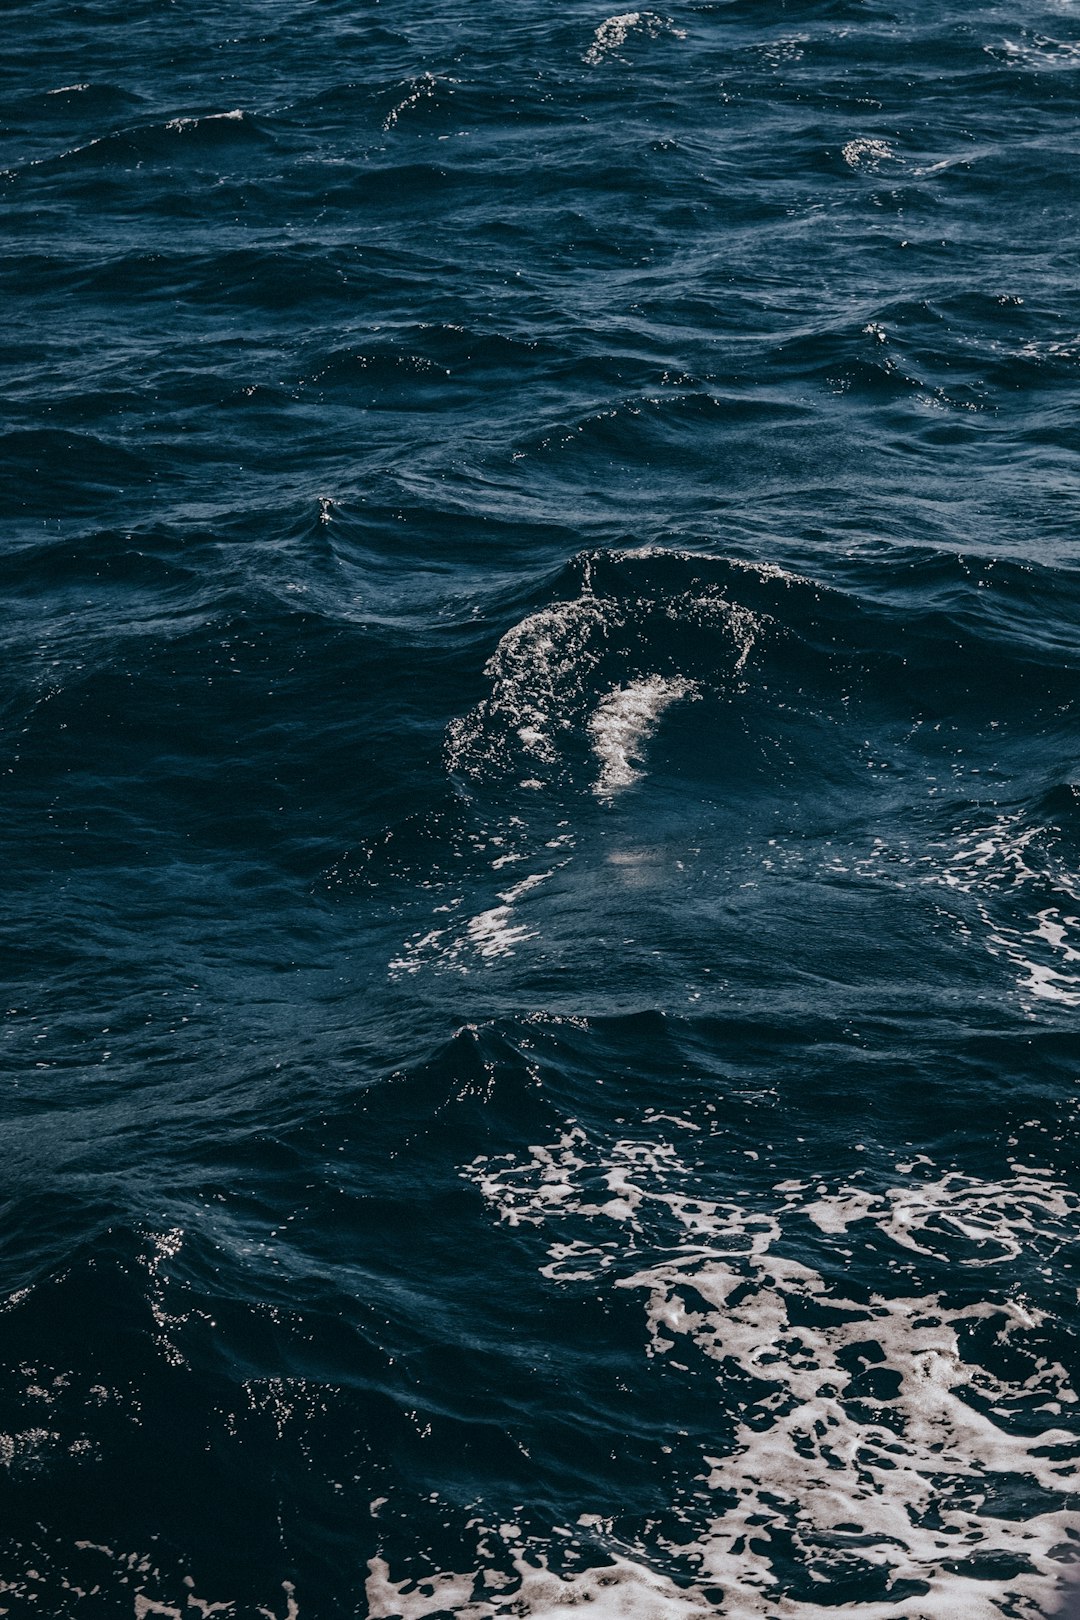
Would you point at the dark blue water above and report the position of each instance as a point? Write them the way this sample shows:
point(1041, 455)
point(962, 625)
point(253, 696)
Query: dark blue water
point(541, 823)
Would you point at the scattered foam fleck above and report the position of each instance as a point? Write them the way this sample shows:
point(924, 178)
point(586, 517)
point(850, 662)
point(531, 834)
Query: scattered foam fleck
point(420, 89)
point(997, 865)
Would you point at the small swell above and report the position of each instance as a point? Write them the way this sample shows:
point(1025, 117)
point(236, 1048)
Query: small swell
point(169, 141)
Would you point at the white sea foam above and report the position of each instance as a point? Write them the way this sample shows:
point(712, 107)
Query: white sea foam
point(536, 673)
point(999, 865)
point(151, 1591)
point(619, 1590)
point(867, 152)
point(623, 720)
point(1057, 350)
point(486, 936)
point(163, 1247)
point(780, 53)
point(1038, 52)
point(916, 1480)
point(496, 932)
point(234, 116)
point(614, 32)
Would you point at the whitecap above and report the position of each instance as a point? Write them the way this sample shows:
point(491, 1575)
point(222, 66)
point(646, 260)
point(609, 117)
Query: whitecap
point(546, 687)
point(536, 670)
point(622, 722)
point(867, 152)
point(613, 33)
point(235, 115)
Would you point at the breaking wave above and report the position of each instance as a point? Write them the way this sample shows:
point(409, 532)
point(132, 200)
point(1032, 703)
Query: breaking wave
point(579, 669)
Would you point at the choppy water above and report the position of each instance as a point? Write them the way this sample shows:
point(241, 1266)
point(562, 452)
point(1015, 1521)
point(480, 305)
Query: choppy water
point(542, 838)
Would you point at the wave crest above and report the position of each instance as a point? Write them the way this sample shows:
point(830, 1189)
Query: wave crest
point(600, 669)
point(614, 32)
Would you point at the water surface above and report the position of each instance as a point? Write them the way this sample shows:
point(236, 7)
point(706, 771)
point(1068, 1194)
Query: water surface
point(541, 828)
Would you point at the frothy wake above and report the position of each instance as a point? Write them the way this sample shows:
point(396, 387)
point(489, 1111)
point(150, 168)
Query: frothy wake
point(912, 1446)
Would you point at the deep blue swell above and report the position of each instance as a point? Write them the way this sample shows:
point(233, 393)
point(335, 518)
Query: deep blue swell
point(538, 560)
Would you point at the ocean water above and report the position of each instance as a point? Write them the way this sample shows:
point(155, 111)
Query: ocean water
point(540, 809)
